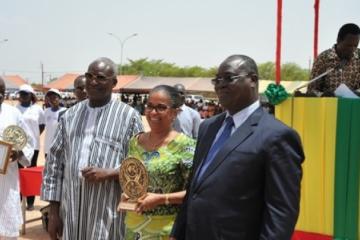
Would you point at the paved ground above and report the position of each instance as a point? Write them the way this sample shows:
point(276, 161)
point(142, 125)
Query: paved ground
point(34, 230)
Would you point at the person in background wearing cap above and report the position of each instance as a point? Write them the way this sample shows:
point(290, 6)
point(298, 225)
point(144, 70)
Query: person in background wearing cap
point(188, 120)
point(51, 117)
point(34, 117)
point(10, 207)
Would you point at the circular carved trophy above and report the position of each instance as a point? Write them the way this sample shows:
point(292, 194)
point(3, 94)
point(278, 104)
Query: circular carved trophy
point(134, 181)
point(16, 136)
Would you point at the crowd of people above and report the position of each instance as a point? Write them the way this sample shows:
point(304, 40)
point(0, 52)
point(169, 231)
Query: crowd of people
point(206, 108)
point(226, 170)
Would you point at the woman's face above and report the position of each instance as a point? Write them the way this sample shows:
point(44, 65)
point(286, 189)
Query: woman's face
point(158, 111)
point(54, 99)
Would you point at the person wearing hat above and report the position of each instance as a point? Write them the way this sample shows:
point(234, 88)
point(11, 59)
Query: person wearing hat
point(34, 117)
point(52, 116)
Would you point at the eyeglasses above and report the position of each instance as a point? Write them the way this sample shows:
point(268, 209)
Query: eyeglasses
point(160, 108)
point(228, 79)
point(97, 78)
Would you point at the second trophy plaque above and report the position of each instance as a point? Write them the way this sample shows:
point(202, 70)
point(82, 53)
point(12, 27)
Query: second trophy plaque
point(134, 181)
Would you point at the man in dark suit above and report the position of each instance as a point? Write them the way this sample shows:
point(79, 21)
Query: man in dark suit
point(247, 167)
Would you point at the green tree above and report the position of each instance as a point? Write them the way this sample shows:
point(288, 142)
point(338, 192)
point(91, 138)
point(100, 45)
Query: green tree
point(289, 71)
point(161, 68)
point(266, 71)
point(293, 72)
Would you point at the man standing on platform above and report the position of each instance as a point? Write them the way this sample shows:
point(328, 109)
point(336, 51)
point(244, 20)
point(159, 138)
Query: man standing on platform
point(247, 167)
point(187, 120)
point(81, 173)
point(344, 60)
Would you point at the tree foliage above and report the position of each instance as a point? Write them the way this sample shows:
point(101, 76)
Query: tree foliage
point(289, 72)
point(267, 71)
point(143, 66)
point(160, 68)
point(293, 72)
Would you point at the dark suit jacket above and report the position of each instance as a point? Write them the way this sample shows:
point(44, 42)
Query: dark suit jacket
point(251, 190)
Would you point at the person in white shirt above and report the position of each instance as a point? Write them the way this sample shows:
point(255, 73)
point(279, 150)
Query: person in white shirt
point(10, 208)
point(80, 178)
point(33, 116)
point(188, 120)
point(52, 117)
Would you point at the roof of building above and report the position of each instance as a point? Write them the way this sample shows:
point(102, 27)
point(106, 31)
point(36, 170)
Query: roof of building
point(144, 84)
point(13, 81)
point(66, 82)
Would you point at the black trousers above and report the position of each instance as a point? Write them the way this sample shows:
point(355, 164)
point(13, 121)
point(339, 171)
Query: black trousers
point(31, 199)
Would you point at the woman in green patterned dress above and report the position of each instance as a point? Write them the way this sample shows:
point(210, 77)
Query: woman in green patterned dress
point(168, 157)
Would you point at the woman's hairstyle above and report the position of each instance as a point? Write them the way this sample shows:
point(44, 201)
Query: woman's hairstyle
point(173, 94)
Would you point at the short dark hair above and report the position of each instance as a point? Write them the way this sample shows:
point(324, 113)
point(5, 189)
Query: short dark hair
point(349, 28)
point(171, 92)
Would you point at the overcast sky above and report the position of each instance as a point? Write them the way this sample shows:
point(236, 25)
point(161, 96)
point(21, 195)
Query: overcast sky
point(66, 35)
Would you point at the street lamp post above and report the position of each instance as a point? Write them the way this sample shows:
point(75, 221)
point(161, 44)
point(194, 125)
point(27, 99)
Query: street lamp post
point(122, 43)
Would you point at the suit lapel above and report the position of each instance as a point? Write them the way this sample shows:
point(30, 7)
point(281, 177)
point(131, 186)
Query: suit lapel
point(206, 141)
point(239, 136)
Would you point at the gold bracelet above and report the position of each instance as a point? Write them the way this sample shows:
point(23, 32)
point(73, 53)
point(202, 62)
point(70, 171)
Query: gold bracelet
point(167, 202)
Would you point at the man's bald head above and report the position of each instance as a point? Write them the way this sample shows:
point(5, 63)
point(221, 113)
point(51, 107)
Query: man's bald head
point(80, 80)
point(104, 65)
point(79, 86)
point(100, 81)
point(181, 90)
point(242, 62)
point(236, 83)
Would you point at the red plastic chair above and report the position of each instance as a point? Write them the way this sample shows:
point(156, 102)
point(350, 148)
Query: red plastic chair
point(30, 185)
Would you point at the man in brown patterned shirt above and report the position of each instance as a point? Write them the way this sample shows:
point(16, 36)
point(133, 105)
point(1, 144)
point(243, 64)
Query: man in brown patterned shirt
point(343, 58)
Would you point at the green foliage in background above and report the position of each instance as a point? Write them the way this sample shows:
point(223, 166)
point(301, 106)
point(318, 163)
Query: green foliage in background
point(160, 68)
point(289, 72)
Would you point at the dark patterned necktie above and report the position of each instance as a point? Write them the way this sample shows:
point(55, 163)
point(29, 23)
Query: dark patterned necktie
point(217, 146)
